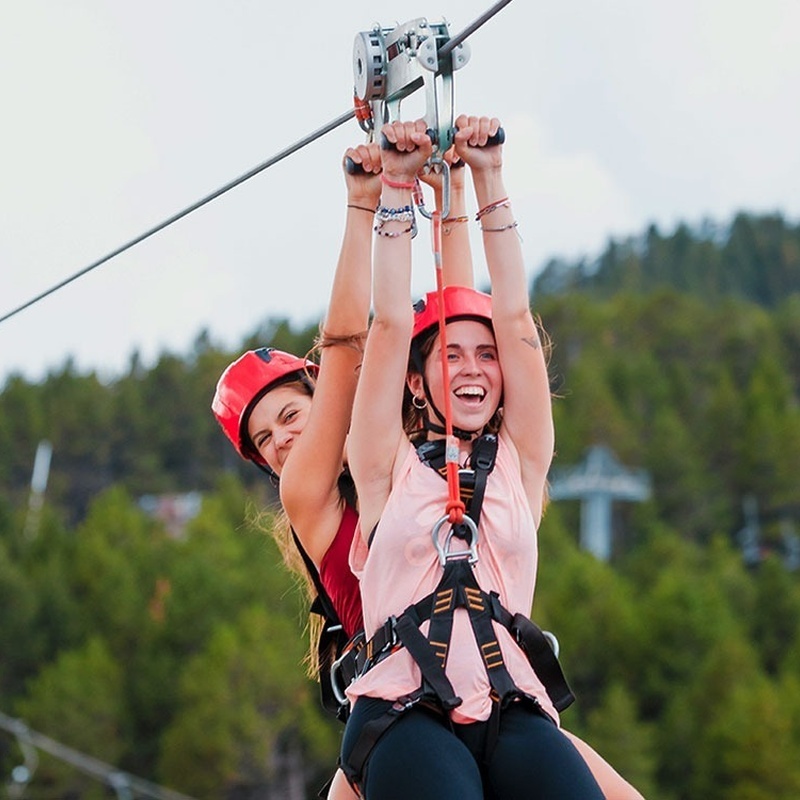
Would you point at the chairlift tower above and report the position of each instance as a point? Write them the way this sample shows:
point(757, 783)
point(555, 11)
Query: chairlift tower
point(749, 536)
point(39, 478)
point(597, 482)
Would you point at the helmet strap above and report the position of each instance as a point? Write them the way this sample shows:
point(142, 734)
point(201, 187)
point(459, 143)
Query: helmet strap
point(273, 476)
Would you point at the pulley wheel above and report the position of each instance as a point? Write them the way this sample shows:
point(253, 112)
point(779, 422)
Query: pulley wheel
point(369, 77)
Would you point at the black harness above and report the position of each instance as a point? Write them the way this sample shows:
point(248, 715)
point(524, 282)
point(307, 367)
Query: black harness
point(332, 640)
point(457, 588)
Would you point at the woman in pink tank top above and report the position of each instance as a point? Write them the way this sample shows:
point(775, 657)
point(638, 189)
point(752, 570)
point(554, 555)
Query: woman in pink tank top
point(394, 745)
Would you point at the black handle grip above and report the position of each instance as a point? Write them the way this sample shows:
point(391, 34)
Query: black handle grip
point(498, 138)
point(492, 141)
point(352, 168)
point(387, 145)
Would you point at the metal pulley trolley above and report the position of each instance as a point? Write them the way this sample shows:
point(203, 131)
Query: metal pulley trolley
point(390, 64)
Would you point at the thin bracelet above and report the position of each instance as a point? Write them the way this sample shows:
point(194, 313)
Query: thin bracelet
point(453, 221)
point(397, 184)
point(504, 203)
point(508, 227)
point(361, 208)
point(355, 341)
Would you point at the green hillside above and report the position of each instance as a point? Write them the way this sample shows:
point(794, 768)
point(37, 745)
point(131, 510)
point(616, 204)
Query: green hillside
point(177, 657)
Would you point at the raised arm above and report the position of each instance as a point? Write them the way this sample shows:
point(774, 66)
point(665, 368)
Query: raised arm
point(309, 491)
point(527, 415)
point(377, 435)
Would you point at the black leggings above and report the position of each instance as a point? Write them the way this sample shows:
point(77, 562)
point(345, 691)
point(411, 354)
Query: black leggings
point(420, 757)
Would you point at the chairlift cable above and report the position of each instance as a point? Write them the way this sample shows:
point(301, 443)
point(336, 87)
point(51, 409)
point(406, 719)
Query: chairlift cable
point(88, 765)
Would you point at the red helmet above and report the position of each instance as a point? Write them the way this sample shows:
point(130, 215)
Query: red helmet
point(244, 383)
point(460, 302)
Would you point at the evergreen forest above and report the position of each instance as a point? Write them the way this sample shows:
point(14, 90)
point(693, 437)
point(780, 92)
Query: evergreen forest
point(172, 647)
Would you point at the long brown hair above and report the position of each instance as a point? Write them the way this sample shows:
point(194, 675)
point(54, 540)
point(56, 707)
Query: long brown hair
point(276, 523)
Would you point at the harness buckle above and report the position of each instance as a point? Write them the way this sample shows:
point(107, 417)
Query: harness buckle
point(337, 684)
point(485, 460)
point(337, 680)
point(373, 658)
point(443, 547)
point(404, 703)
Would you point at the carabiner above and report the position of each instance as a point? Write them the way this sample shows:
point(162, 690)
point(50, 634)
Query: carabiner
point(443, 548)
point(437, 162)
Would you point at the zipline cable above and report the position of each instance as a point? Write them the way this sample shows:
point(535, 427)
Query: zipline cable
point(333, 124)
point(456, 40)
point(443, 52)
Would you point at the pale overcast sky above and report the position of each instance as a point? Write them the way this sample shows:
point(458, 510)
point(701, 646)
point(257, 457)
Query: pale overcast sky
point(117, 115)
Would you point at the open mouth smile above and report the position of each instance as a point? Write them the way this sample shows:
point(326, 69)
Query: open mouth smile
point(474, 395)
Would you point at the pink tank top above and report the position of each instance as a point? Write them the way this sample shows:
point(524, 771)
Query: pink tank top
point(402, 567)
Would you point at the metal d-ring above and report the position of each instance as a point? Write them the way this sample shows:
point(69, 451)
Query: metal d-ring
point(552, 640)
point(443, 548)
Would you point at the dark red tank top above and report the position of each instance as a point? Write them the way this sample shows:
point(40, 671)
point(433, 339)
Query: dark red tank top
point(337, 578)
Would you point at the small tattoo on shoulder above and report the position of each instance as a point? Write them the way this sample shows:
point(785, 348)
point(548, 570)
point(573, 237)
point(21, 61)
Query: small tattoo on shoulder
point(533, 341)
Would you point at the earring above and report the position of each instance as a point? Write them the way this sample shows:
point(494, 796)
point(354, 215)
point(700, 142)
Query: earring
point(419, 403)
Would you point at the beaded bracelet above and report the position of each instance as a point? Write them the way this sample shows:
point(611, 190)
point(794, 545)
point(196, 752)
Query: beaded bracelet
point(412, 229)
point(504, 203)
point(404, 214)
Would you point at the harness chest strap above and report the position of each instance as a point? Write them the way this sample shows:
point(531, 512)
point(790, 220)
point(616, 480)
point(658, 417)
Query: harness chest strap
point(457, 587)
point(364, 654)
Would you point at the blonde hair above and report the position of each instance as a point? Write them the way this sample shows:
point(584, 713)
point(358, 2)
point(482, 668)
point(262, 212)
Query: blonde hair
point(276, 523)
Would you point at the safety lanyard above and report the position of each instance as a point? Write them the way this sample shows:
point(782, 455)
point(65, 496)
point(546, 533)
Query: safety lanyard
point(455, 505)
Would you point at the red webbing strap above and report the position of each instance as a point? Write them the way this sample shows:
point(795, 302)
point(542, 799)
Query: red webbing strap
point(455, 506)
point(363, 114)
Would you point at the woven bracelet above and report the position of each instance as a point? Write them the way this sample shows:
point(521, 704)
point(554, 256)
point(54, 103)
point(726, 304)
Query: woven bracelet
point(504, 203)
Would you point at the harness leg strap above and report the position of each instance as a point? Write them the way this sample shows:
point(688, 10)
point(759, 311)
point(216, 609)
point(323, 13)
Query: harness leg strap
point(369, 735)
point(544, 660)
point(428, 662)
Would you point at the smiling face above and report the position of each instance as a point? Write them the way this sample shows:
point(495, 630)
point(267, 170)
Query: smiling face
point(276, 420)
point(476, 382)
